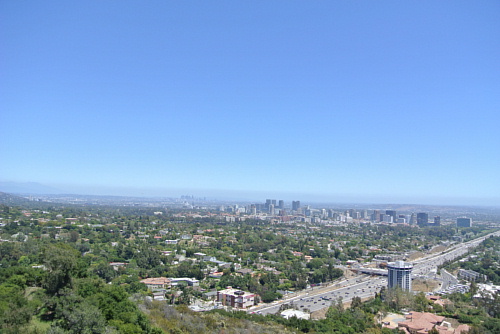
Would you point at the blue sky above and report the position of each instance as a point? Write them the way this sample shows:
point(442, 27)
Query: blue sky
point(386, 101)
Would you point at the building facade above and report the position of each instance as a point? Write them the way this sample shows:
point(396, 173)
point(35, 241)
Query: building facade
point(437, 221)
point(155, 283)
point(464, 222)
point(235, 298)
point(399, 275)
point(471, 275)
point(422, 218)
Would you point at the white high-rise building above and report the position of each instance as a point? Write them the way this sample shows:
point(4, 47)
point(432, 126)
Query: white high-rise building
point(399, 275)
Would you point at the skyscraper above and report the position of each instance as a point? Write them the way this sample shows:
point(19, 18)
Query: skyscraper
point(388, 219)
point(271, 209)
point(422, 218)
point(464, 222)
point(295, 205)
point(281, 204)
point(413, 219)
point(393, 214)
point(437, 220)
point(399, 275)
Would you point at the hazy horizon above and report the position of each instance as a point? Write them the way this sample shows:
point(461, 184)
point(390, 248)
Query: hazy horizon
point(239, 195)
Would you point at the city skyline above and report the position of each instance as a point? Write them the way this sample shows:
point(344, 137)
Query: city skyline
point(336, 102)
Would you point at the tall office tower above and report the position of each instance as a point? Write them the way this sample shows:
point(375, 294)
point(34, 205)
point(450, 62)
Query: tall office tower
point(281, 204)
point(351, 213)
point(273, 202)
point(253, 209)
point(399, 275)
point(422, 219)
point(393, 214)
point(413, 219)
point(388, 219)
point(408, 219)
point(376, 215)
point(271, 209)
point(268, 203)
point(364, 214)
point(437, 220)
point(295, 205)
point(323, 213)
point(464, 222)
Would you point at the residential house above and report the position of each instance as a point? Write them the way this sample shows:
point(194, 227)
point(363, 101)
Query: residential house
point(154, 283)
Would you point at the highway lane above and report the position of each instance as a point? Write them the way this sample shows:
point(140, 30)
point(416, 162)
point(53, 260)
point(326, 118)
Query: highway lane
point(313, 300)
point(363, 286)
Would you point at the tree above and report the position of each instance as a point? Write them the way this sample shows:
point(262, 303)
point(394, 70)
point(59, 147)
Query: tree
point(420, 303)
point(104, 271)
point(85, 318)
point(73, 236)
point(14, 310)
point(356, 302)
point(60, 260)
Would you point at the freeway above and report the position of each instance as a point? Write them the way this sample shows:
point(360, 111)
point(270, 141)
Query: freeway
point(429, 263)
point(317, 298)
point(363, 286)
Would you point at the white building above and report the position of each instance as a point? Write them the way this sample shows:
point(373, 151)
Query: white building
point(399, 274)
point(486, 291)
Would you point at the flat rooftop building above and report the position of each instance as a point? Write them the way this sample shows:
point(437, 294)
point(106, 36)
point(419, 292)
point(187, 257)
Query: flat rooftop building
point(235, 298)
point(399, 275)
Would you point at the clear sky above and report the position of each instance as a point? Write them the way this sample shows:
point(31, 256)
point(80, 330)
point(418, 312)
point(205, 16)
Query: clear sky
point(378, 101)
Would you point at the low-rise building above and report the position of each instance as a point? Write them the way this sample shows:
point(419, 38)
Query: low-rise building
point(471, 275)
point(235, 298)
point(420, 322)
point(154, 283)
point(486, 291)
point(189, 281)
point(117, 265)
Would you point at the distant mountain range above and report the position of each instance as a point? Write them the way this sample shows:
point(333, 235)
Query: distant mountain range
point(12, 199)
point(27, 188)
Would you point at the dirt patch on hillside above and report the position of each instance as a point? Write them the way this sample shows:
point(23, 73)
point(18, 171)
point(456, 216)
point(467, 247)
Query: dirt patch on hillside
point(438, 249)
point(415, 256)
point(425, 285)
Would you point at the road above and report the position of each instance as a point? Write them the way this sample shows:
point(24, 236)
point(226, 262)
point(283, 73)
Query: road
point(364, 286)
point(317, 298)
point(448, 279)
